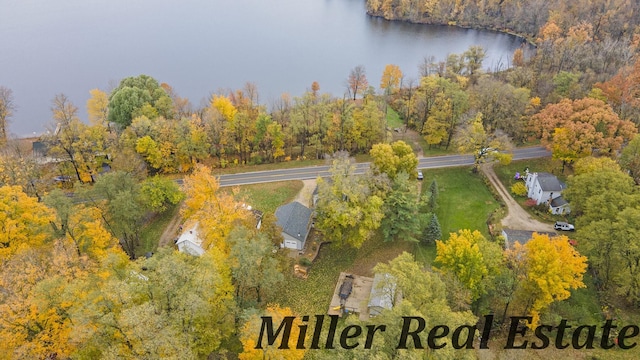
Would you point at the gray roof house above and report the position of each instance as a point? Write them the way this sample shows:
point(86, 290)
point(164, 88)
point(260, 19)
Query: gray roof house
point(295, 221)
point(521, 236)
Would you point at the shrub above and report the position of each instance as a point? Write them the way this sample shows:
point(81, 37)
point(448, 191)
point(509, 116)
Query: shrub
point(304, 261)
point(519, 189)
point(530, 202)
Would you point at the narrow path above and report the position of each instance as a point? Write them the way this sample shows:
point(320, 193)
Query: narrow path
point(171, 231)
point(517, 218)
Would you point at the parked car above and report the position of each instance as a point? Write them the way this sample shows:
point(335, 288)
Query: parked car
point(559, 225)
point(420, 176)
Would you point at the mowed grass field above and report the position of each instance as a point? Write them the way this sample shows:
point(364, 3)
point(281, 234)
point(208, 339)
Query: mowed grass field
point(267, 197)
point(464, 201)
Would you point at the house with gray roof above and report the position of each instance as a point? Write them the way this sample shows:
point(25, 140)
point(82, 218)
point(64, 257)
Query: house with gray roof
point(547, 188)
point(521, 236)
point(295, 221)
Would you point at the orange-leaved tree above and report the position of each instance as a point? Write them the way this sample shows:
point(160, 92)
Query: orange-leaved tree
point(574, 129)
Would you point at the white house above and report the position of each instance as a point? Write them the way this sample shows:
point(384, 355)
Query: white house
point(546, 188)
point(295, 221)
point(189, 242)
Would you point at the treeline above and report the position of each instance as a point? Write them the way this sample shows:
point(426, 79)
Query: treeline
point(615, 19)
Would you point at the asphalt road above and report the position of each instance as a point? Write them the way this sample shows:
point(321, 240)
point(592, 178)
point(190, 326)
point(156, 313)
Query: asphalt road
point(313, 172)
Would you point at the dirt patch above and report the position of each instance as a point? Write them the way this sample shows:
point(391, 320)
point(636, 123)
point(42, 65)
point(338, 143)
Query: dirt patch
point(305, 196)
point(171, 232)
point(517, 218)
point(376, 251)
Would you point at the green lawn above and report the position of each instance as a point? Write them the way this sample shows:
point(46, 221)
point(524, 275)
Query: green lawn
point(151, 232)
point(268, 197)
point(393, 119)
point(464, 202)
point(313, 295)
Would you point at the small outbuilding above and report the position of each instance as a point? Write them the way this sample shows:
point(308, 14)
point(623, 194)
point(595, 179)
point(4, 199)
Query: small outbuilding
point(383, 294)
point(295, 221)
point(189, 242)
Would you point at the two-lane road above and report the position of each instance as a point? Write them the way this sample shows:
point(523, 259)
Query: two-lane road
point(313, 172)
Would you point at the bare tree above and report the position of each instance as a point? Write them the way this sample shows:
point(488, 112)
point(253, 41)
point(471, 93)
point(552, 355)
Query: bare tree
point(7, 107)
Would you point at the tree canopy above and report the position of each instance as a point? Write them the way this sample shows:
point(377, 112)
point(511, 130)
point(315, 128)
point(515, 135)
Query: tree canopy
point(136, 96)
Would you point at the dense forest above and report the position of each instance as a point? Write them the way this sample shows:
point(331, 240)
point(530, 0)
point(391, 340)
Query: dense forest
point(74, 284)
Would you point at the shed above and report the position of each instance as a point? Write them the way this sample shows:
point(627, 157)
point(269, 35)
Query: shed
point(189, 242)
point(383, 294)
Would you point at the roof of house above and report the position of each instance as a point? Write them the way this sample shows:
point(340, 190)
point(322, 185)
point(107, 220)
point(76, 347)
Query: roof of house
point(382, 291)
point(549, 182)
point(521, 236)
point(190, 241)
point(294, 219)
point(559, 201)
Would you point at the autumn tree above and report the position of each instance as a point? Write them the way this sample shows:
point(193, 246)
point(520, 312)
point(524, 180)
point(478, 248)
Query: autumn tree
point(391, 79)
point(254, 269)
point(7, 107)
point(216, 212)
point(136, 96)
point(357, 82)
point(471, 258)
point(575, 129)
point(179, 306)
point(24, 222)
point(484, 145)
point(548, 268)
point(251, 331)
point(159, 193)
point(622, 92)
point(347, 211)
point(98, 107)
point(423, 295)
point(394, 158)
point(80, 145)
point(502, 106)
point(630, 158)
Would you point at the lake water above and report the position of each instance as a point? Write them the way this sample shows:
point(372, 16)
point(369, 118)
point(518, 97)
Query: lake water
point(200, 47)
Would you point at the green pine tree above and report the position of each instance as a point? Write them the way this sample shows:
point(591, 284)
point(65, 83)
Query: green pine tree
point(432, 231)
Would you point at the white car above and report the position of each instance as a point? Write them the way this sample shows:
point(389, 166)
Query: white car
point(420, 176)
point(559, 225)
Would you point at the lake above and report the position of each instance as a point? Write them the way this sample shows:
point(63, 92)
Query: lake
point(200, 47)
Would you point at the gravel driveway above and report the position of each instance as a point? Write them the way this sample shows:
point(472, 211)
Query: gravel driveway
point(517, 218)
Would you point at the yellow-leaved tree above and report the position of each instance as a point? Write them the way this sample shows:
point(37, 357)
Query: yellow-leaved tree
point(24, 222)
point(216, 212)
point(546, 268)
point(250, 335)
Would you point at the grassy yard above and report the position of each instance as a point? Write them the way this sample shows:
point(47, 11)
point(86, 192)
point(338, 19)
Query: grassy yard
point(151, 232)
point(268, 197)
point(313, 295)
point(506, 175)
point(464, 202)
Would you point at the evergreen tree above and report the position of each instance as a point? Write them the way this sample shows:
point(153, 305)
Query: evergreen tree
point(401, 207)
point(433, 195)
point(432, 231)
